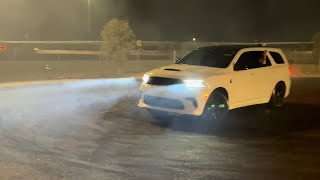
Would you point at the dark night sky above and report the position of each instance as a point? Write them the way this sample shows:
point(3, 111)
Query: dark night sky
point(170, 20)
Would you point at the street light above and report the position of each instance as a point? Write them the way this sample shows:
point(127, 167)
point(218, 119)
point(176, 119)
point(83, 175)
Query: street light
point(195, 37)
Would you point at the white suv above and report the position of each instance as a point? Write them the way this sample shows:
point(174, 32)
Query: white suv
point(210, 81)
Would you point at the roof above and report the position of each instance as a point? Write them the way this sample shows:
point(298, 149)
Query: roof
point(232, 47)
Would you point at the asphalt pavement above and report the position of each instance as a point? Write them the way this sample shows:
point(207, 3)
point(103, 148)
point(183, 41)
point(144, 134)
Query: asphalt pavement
point(93, 129)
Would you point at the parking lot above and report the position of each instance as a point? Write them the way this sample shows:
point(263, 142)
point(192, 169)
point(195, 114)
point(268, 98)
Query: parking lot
point(93, 129)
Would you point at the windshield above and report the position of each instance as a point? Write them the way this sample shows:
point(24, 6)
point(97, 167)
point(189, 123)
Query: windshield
point(218, 57)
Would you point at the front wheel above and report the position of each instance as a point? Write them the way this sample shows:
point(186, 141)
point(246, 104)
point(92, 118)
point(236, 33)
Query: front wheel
point(216, 109)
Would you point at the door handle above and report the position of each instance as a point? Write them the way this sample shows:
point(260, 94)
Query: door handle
point(252, 74)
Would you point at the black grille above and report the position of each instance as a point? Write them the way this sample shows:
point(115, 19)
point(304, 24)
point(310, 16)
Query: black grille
point(163, 102)
point(161, 81)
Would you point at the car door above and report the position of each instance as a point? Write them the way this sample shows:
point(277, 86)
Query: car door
point(243, 80)
point(264, 77)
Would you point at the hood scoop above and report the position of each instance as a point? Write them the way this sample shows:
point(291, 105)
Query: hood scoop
point(171, 69)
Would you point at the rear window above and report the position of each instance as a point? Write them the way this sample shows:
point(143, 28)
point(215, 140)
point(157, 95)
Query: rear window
point(277, 57)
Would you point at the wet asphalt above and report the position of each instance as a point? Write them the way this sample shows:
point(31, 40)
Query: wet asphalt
point(94, 130)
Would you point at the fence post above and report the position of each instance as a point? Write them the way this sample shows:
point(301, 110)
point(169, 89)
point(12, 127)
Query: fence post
point(318, 60)
point(138, 60)
point(319, 56)
point(15, 53)
point(174, 56)
point(295, 56)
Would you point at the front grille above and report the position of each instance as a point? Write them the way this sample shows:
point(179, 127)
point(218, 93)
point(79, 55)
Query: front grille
point(161, 81)
point(163, 102)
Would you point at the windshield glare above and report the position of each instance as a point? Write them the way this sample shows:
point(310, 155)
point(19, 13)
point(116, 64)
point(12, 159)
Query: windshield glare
point(219, 58)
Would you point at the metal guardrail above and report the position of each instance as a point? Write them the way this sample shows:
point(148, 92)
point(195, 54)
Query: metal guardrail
point(156, 42)
point(42, 50)
point(79, 52)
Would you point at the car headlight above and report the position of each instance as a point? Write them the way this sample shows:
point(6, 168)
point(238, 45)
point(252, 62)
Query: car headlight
point(145, 78)
point(194, 83)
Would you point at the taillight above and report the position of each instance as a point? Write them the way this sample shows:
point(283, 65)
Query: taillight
point(290, 69)
point(2, 48)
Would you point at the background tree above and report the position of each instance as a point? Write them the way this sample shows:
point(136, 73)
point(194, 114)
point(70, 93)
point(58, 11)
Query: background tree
point(118, 38)
point(316, 47)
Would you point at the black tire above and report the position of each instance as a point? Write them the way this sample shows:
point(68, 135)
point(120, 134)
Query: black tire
point(278, 95)
point(216, 108)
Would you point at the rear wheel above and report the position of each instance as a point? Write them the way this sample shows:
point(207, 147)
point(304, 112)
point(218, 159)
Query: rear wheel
point(216, 109)
point(278, 94)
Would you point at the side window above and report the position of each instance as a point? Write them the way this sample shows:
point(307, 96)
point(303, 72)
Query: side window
point(244, 62)
point(277, 57)
point(252, 60)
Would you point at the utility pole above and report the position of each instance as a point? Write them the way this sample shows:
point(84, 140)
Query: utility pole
point(89, 20)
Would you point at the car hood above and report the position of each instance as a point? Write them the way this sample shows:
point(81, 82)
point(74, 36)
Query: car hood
point(186, 71)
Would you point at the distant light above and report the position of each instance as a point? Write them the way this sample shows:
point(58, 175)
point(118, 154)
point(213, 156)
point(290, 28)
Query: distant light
point(194, 39)
point(263, 44)
point(139, 43)
point(3, 48)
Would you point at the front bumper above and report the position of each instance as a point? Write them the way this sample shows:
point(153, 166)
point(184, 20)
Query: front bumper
point(174, 99)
